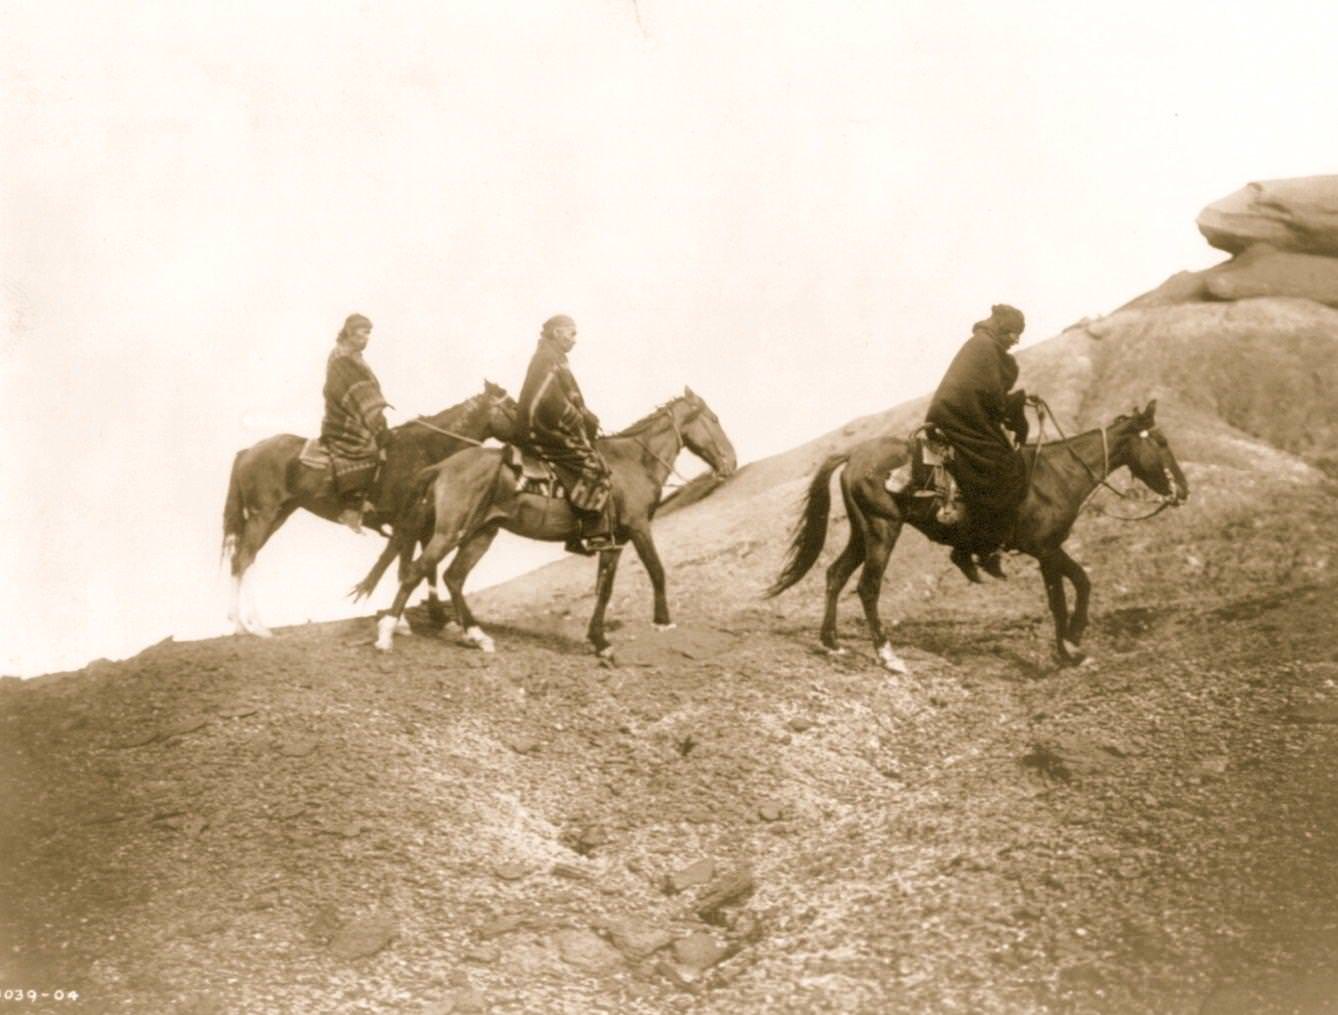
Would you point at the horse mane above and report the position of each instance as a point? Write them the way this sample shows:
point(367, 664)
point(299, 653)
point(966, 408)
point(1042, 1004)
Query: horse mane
point(449, 416)
point(1123, 417)
point(646, 420)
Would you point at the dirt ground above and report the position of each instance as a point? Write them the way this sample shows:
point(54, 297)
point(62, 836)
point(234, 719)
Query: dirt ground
point(726, 820)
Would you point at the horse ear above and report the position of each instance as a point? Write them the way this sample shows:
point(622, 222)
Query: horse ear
point(1150, 412)
point(689, 392)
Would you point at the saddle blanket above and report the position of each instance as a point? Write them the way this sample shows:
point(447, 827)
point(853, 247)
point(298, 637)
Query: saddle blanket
point(314, 454)
point(533, 474)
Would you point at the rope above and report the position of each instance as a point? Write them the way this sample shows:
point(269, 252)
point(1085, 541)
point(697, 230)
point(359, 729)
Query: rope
point(682, 482)
point(1042, 410)
point(446, 433)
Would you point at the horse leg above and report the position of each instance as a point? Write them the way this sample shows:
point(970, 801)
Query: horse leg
point(368, 585)
point(436, 549)
point(1082, 589)
point(608, 568)
point(650, 557)
point(469, 554)
point(1052, 574)
point(259, 527)
point(435, 610)
point(453, 523)
point(881, 537)
point(838, 573)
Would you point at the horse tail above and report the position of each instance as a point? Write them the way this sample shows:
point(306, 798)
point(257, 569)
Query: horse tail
point(234, 511)
point(810, 528)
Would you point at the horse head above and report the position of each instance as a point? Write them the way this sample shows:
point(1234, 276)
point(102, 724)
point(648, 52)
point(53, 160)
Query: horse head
point(702, 433)
point(502, 412)
point(1150, 458)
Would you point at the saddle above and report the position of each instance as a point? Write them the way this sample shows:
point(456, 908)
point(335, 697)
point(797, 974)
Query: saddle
point(533, 474)
point(315, 455)
point(929, 480)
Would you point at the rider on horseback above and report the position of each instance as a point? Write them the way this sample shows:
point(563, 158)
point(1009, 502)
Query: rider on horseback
point(555, 422)
point(983, 420)
point(354, 428)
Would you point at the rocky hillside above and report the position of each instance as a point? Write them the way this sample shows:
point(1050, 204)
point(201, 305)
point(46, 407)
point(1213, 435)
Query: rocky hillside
point(728, 820)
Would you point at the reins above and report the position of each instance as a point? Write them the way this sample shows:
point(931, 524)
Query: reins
point(446, 433)
point(678, 434)
point(1042, 411)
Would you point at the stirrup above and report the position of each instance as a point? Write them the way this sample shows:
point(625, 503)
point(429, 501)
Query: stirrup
point(576, 545)
point(993, 565)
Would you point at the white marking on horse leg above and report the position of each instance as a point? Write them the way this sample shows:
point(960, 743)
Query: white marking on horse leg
point(402, 625)
point(235, 605)
point(666, 627)
point(250, 618)
point(838, 651)
point(385, 632)
point(606, 653)
point(475, 636)
point(890, 660)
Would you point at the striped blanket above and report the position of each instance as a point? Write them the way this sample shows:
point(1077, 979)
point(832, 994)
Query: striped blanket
point(354, 418)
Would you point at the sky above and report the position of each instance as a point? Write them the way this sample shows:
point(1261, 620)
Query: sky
point(798, 209)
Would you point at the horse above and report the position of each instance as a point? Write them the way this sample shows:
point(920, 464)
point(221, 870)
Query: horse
point(269, 482)
point(1062, 475)
point(474, 494)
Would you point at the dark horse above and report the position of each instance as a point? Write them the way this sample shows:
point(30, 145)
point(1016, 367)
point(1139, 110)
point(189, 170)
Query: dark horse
point(1063, 474)
point(269, 482)
point(473, 494)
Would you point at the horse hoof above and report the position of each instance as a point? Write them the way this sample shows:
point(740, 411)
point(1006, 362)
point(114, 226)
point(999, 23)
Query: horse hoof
point(259, 631)
point(834, 650)
point(385, 632)
point(475, 636)
point(605, 653)
point(665, 627)
point(891, 661)
point(1072, 655)
point(402, 626)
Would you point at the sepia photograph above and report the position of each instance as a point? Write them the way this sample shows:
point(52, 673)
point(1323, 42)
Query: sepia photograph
point(658, 506)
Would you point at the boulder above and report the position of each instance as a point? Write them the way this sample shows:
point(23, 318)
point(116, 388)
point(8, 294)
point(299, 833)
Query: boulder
point(1299, 214)
point(586, 950)
point(1263, 270)
point(1182, 287)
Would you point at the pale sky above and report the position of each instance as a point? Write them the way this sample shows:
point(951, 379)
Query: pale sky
point(796, 208)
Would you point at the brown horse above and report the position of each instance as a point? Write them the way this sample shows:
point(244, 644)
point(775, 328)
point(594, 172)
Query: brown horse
point(473, 494)
point(269, 482)
point(1063, 474)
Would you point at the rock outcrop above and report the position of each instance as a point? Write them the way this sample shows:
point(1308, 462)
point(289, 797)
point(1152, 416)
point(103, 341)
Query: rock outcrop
point(1283, 235)
point(1263, 270)
point(1299, 215)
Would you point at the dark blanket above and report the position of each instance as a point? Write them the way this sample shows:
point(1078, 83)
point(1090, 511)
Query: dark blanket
point(970, 407)
point(560, 429)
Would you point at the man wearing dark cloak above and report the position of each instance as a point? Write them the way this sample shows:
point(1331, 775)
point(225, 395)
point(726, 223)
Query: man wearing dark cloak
point(354, 428)
point(560, 428)
point(975, 410)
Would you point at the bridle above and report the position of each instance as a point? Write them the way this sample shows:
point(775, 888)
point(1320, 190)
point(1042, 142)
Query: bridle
point(668, 408)
point(1042, 411)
